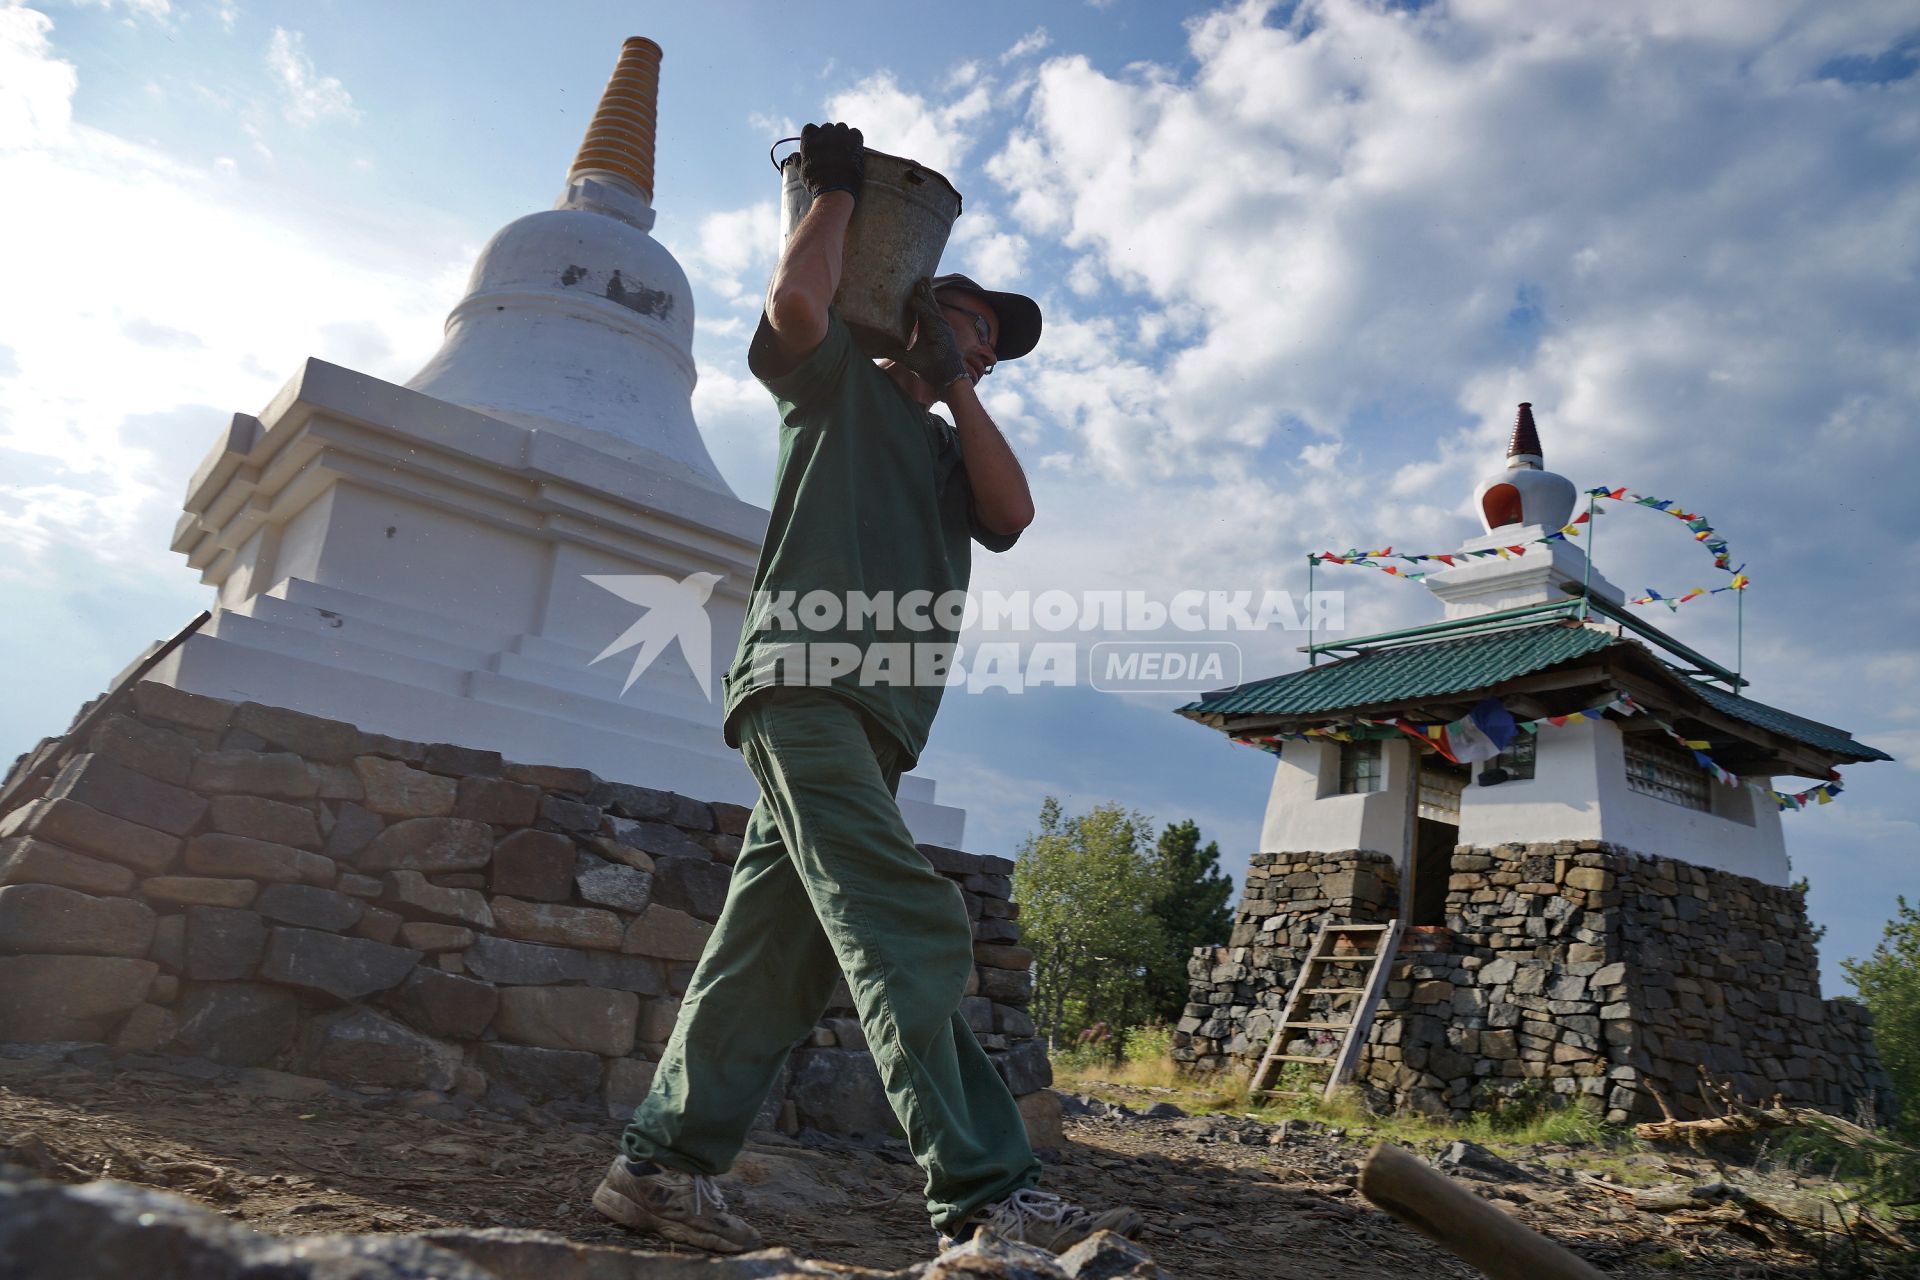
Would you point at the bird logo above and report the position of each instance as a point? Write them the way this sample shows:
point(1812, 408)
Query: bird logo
point(674, 611)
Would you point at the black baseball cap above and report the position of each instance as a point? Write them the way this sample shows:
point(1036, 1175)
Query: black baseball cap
point(1018, 314)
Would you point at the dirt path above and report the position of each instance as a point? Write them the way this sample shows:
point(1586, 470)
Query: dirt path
point(1214, 1205)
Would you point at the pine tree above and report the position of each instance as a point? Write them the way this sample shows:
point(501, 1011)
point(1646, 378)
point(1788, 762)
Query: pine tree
point(1192, 907)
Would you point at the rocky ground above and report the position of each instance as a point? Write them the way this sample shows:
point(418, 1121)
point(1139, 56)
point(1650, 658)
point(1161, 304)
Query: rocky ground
point(1222, 1196)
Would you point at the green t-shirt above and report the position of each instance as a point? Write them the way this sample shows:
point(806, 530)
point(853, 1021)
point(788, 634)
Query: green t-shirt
point(870, 497)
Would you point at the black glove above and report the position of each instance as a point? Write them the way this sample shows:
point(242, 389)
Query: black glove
point(934, 355)
point(832, 158)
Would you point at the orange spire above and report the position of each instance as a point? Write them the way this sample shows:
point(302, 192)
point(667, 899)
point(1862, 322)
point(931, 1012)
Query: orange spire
point(620, 139)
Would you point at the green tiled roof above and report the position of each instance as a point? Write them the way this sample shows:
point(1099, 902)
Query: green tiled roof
point(1463, 664)
point(1458, 665)
point(1785, 723)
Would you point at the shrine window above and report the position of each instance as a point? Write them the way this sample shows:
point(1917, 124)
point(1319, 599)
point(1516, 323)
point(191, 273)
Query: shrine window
point(1668, 773)
point(1360, 771)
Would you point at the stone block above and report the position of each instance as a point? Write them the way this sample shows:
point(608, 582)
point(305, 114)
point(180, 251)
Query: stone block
point(330, 965)
point(377, 924)
point(158, 753)
point(1041, 1112)
point(655, 839)
point(628, 1082)
point(354, 828)
point(413, 894)
point(534, 865)
point(361, 1047)
point(329, 741)
point(223, 944)
point(583, 1018)
point(359, 886)
point(642, 975)
point(541, 1074)
point(84, 829)
point(309, 907)
point(1024, 1067)
point(271, 820)
point(31, 860)
point(550, 777)
point(195, 710)
point(496, 801)
point(429, 845)
point(524, 963)
point(697, 886)
point(608, 884)
point(427, 935)
point(51, 920)
point(215, 854)
point(144, 1030)
point(978, 1011)
point(725, 849)
point(238, 1024)
point(200, 891)
point(666, 934)
point(656, 1021)
point(998, 956)
point(645, 804)
point(1012, 1023)
point(588, 927)
point(120, 792)
point(729, 819)
point(397, 790)
point(444, 1004)
point(277, 774)
point(53, 998)
point(336, 782)
point(625, 855)
point(446, 757)
point(570, 815)
point(1006, 986)
point(839, 1090)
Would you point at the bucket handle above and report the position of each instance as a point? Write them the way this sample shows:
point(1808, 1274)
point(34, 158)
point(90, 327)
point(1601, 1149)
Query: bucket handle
point(778, 165)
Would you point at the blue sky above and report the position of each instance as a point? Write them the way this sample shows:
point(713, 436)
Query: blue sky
point(1298, 263)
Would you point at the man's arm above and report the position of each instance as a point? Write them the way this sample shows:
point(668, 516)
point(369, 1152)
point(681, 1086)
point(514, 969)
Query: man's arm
point(833, 165)
point(1000, 495)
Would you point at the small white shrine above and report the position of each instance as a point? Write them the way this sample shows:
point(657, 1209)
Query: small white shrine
point(431, 561)
point(1536, 629)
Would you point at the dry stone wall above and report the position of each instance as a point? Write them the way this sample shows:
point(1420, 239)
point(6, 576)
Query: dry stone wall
point(1577, 969)
point(262, 888)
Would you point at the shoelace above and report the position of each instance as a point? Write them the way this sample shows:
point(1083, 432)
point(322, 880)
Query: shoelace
point(1041, 1206)
point(703, 1190)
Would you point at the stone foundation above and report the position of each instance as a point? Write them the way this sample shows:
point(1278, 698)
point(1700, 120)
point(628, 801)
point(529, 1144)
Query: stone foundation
point(262, 888)
point(1578, 969)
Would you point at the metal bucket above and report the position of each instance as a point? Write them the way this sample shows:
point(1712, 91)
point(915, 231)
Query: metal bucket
point(898, 231)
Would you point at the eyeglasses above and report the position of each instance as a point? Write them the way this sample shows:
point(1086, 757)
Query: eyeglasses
point(980, 327)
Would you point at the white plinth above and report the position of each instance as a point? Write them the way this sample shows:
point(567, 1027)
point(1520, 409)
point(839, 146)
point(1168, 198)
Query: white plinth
point(420, 569)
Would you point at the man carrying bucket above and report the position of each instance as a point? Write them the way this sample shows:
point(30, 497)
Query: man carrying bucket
point(874, 493)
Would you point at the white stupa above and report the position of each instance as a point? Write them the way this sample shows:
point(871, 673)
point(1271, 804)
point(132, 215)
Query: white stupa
point(421, 560)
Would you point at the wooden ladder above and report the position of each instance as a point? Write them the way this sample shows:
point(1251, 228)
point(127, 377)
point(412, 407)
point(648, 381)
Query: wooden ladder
point(1372, 945)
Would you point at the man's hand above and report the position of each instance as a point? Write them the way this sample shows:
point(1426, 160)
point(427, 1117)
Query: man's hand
point(833, 157)
point(934, 356)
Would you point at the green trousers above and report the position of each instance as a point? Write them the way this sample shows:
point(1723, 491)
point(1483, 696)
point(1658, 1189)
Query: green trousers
point(828, 882)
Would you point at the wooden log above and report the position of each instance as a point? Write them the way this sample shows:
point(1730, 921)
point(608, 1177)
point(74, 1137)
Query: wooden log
point(1467, 1226)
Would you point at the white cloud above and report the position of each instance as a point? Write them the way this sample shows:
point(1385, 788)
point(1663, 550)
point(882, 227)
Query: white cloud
point(152, 10)
point(124, 370)
point(903, 123)
point(36, 88)
point(311, 97)
point(1026, 46)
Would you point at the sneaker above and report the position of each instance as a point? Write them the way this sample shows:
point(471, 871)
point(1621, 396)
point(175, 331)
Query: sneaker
point(684, 1207)
point(1044, 1220)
